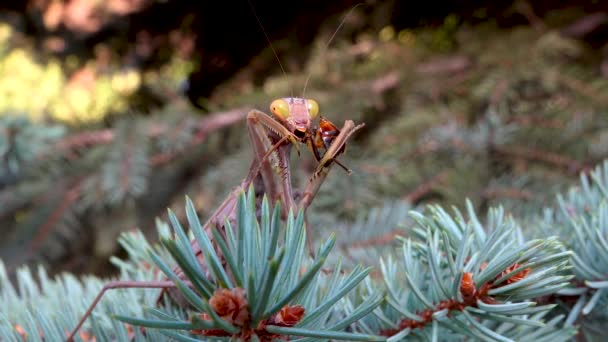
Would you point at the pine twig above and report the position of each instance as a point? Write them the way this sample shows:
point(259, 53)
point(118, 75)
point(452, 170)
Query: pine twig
point(471, 295)
point(535, 121)
point(426, 187)
point(68, 199)
point(205, 125)
point(547, 157)
point(506, 192)
point(382, 240)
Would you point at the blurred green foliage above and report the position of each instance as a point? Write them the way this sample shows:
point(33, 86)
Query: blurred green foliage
point(451, 111)
point(70, 90)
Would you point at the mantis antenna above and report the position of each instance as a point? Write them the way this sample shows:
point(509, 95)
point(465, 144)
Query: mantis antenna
point(274, 51)
point(268, 40)
point(348, 14)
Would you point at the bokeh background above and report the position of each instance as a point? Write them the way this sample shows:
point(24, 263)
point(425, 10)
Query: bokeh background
point(112, 111)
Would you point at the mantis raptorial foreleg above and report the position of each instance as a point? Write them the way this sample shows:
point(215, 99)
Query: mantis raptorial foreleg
point(320, 173)
point(262, 127)
point(261, 144)
point(266, 135)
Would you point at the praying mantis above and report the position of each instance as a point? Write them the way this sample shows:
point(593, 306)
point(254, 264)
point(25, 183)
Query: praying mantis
point(272, 137)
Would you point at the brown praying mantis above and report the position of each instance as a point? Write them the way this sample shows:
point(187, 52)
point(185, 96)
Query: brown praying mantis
point(272, 138)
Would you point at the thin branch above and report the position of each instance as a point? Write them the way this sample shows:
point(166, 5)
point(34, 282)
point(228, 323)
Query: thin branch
point(471, 295)
point(547, 157)
point(382, 240)
point(67, 201)
point(204, 126)
point(119, 284)
point(324, 166)
point(426, 187)
point(535, 121)
point(506, 192)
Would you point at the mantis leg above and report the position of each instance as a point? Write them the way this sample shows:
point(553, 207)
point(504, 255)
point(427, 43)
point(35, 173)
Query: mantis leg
point(315, 152)
point(285, 174)
point(119, 284)
point(261, 144)
point(226, 211)
point(261, 129)
point(318, 177)
point(264, 150)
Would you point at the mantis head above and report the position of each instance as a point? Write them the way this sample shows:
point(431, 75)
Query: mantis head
point(295, 114)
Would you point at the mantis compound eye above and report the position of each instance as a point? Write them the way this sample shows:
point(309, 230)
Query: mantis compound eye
point(280, 108)
point(313, 108)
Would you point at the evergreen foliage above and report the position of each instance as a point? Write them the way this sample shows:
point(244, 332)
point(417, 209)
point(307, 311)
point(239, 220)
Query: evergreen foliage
point(505, 127)
point(453, 278)
point(55, 186)
point(498, 125)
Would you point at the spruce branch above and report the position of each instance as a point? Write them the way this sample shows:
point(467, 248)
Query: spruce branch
point(40, 308)
point(202, 128)
point(426, 187)
point(463, 277)
point(372, 235)
point(55, 186)
point(555, 159)
point(260, 285)
point(583, 219)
